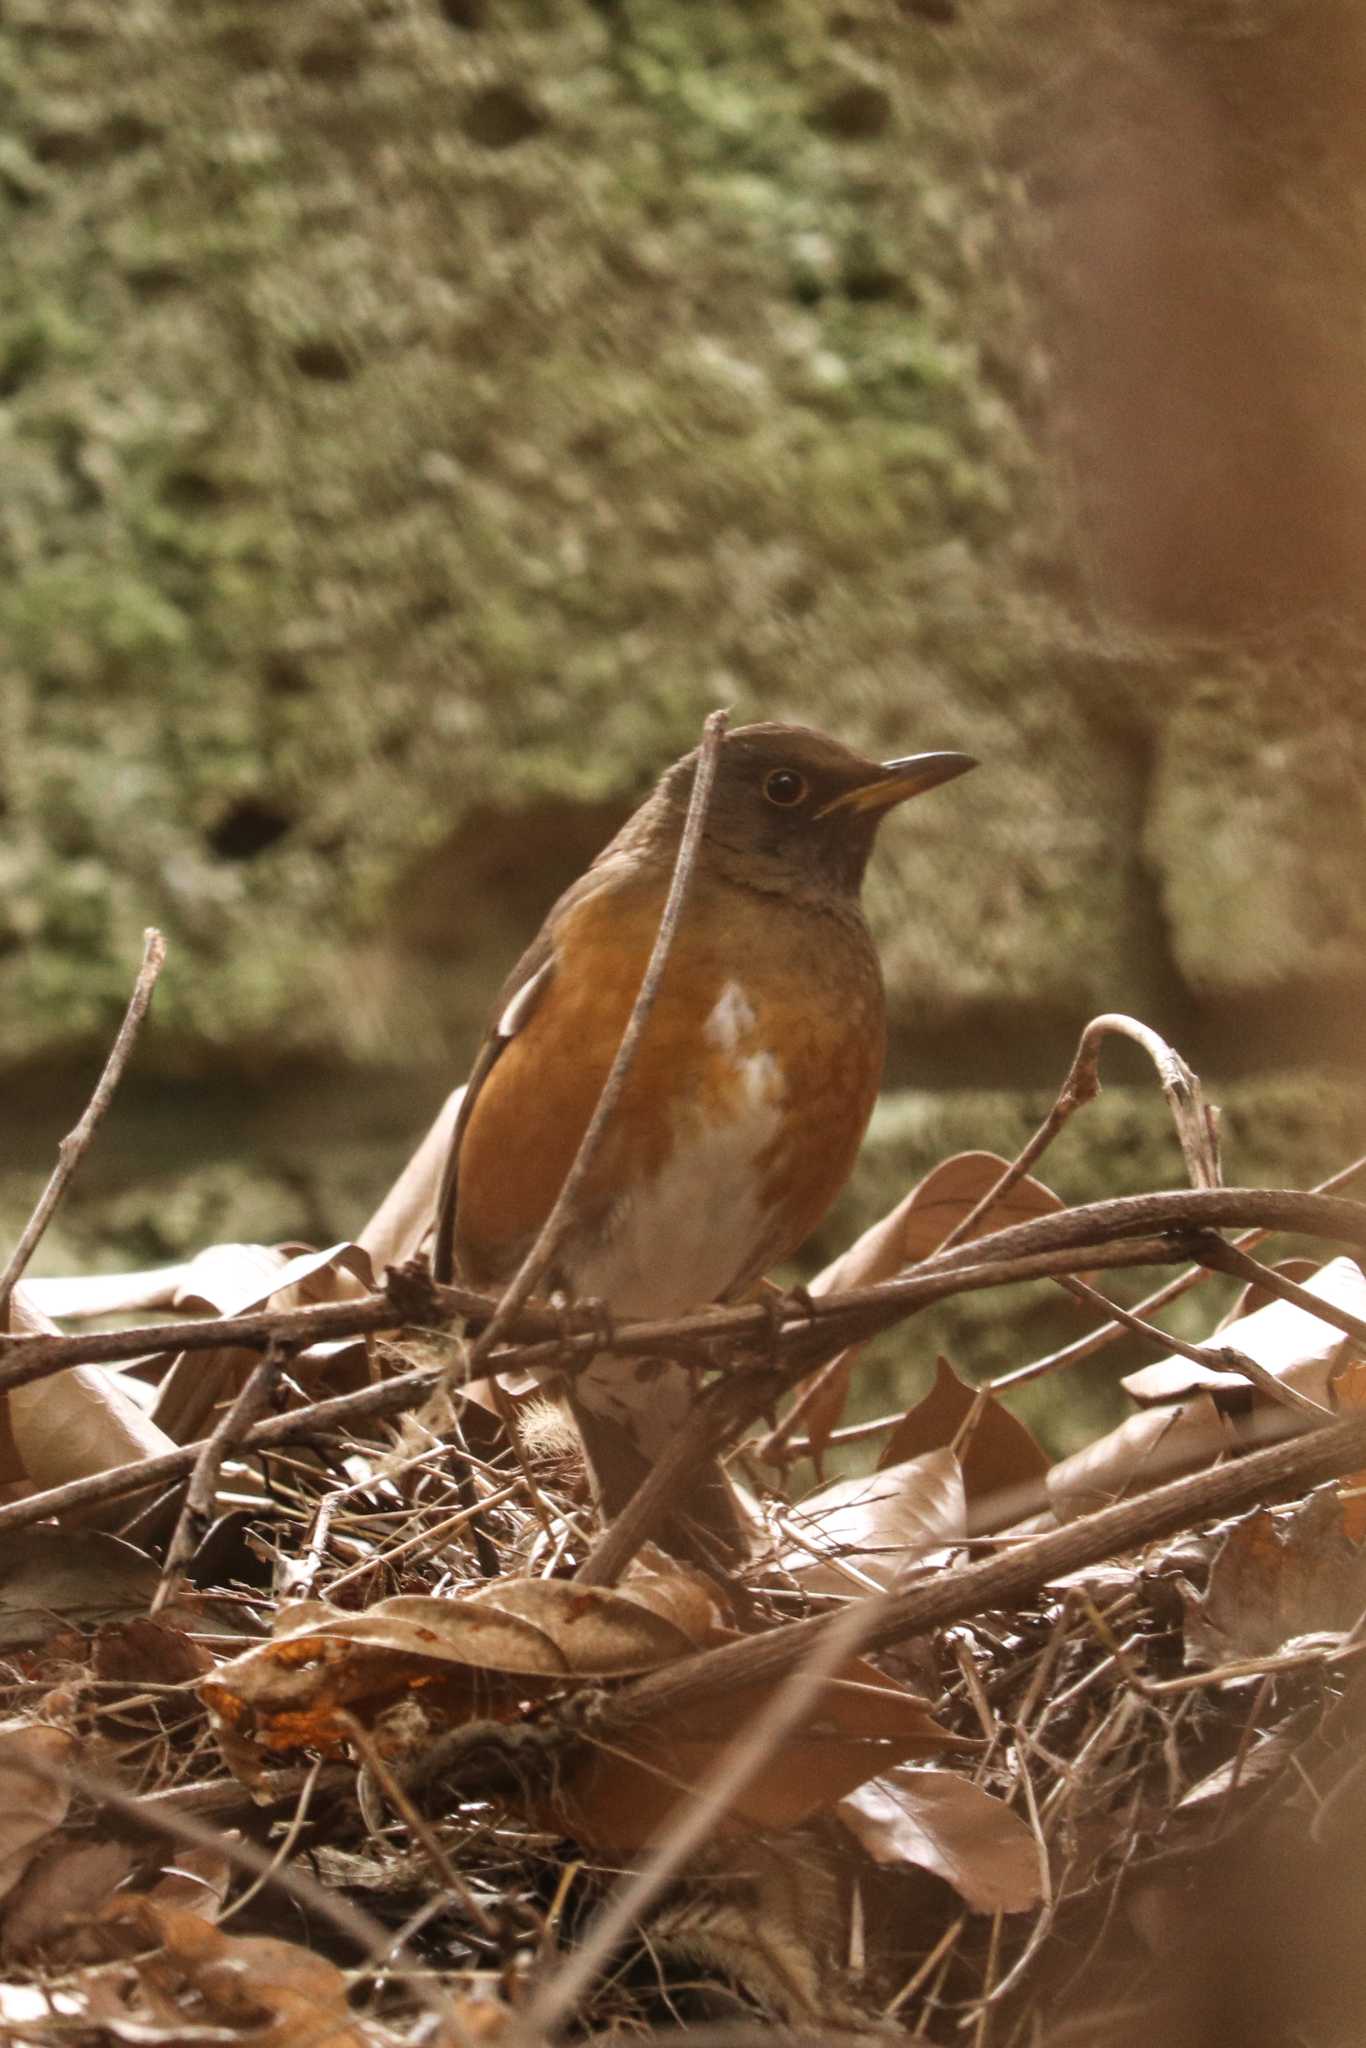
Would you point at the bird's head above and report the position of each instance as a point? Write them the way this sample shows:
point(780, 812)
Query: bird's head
point(791, 806)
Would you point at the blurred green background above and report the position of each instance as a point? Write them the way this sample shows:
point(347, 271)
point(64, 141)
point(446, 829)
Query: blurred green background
point(416, 414)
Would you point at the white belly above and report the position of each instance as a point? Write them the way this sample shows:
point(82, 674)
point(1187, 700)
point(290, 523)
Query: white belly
point(683, 1239)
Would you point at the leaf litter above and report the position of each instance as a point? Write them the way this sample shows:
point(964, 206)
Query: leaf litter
point(375, 1765)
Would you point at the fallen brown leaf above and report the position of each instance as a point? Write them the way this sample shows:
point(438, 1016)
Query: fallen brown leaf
point(76, 1423)
point(1002, 1464)
point(235, 1279)
point(1154, 1445)
point(273, 1992)
point(944, 1823)
point(80, 1577)
point(1280, 1573)
point(1284, 1338)
point(30, 1807)
point(916, 1227)
point(878, 1524)
point(61, 1892)
point(479, 1653)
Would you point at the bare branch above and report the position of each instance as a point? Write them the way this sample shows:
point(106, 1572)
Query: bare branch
point(76, 1143)
point(1008, 1579)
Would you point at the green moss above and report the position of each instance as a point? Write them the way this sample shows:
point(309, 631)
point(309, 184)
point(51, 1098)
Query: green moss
point(401, 420)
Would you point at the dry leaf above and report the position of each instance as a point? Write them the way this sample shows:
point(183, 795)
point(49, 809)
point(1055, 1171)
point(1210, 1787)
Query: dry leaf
point(916, 1227)
point(235, 1280)
point(1287, 1340)
point(1003, 1467)
point(66, 1887)
point(30, 1807)
point(80, 1577)
point(143, 1652)
point(618, 1799)
point(76, 1423)
point(79, 1297)
point(196, 1882)
point(1279, 1573)
point(878, 1524)
point(1154, 1445)
point(478, 1654)
point(944, 1823)
point(396, 1230)
point(1250, 1769)
point(271, 1992)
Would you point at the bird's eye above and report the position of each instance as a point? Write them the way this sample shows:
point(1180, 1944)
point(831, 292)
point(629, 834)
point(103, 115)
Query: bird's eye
point(785, 786)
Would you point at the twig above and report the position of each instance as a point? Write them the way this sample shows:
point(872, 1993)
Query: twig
point(1229, 1258)
point(705, 1429)
point(1009, 1579)
point(320, 1419)
point(738, 1763)
point(1171, 1290)
point(1197, 1131)
point(418, 1826)
point(541, 1257)
point(1041, 1248)
point(197, 1510)
point(1194, 1125)
point(76, 1143)
point(552, 1338)
point(1214, 1357)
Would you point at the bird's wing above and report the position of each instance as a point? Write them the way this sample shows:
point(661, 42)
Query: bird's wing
point(517, 1000)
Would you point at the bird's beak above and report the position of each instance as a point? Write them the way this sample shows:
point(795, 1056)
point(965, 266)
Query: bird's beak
point(896, 780)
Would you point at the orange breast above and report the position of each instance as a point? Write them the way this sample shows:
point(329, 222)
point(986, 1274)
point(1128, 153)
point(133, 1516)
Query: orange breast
point(768, 1031)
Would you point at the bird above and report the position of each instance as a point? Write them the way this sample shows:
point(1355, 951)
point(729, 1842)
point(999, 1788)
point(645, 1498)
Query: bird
point(748, 1096)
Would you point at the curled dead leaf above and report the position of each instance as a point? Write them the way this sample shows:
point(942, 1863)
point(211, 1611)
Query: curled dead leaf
point(477, 1654)
point(1286, 1339)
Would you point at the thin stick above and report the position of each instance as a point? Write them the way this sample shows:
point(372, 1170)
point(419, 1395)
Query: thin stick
point(1181, 1086)
point(319, 1420)
point(1228, 1258)
point(1007, 1580)
point(1214, 1357)
point(76, 1143)
point(738, 1763)
point(703, 1432)
point(541, 1257)
point(856, 1313)
point(418, 1826)
point(197, 1509)
point(1171, 1290)
point(1041, 1248)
